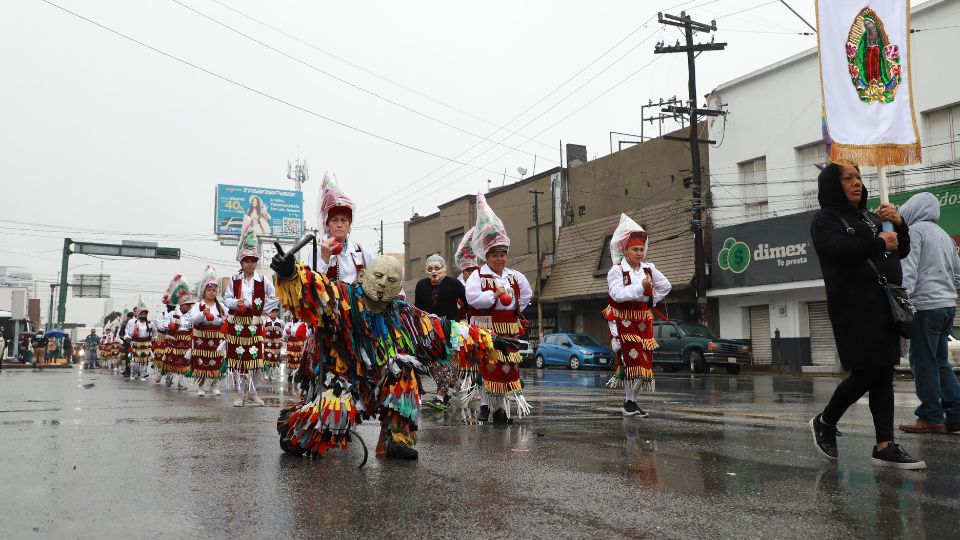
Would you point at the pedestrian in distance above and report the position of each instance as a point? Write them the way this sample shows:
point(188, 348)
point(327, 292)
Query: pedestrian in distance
point(91, 344)
point(39, 350)
point(853, 251)
point(931, 276)
point(443, 296)
point(634, 287)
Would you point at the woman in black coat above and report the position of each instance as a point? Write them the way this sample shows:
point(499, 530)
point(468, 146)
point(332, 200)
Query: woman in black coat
point(846, 235)
point(444, 296)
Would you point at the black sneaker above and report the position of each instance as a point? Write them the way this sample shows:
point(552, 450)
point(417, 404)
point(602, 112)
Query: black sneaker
point(896, 457)
point(640, 412)
point(400, 451)
point(500, 417)
point(825, 438)
point(484, 414)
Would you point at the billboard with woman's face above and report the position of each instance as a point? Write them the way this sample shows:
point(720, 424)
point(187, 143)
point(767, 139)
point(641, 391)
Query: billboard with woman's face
point(276, 213)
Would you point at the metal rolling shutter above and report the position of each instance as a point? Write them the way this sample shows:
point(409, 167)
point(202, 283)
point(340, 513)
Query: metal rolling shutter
point(823, 350)
point(760, 334)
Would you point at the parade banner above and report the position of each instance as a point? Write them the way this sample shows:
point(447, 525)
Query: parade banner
point(864, 48)
point(276, 213)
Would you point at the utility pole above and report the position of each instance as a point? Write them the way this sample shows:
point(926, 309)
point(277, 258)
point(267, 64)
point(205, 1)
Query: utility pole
point(689, 27)
point(536, 224)
point(380, 249)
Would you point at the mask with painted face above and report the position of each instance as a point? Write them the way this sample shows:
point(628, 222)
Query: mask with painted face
point(381, 281)
point(436, 271)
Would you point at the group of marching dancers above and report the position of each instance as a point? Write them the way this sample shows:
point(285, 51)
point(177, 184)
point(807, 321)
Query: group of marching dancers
point(358, 348)
point(206, 339)
point(372, 347)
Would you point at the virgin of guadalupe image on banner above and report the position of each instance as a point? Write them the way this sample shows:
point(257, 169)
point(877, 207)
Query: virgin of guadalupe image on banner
point(868, 116)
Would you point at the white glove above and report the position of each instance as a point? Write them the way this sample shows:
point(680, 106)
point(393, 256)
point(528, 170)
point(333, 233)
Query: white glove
point(615, 344)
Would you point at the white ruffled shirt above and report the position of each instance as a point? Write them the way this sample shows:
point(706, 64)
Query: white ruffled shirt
point(480, 299)
point(347, 260)
point(634, 291)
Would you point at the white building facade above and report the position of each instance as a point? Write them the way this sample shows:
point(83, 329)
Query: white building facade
point(764, 182)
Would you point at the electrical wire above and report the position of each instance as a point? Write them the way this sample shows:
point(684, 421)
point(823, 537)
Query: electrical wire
point(264, 94)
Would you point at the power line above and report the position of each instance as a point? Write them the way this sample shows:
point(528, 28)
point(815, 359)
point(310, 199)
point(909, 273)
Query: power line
point(363, 69)
point(351, 84)
point(264, 94)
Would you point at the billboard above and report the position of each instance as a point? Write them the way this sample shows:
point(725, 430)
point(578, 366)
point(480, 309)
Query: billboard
point(276, 213)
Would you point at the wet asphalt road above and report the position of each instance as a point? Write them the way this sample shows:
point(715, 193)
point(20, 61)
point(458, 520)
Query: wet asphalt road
point(720, 456)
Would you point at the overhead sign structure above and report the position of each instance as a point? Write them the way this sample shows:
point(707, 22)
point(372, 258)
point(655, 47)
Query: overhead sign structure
point(276, 213)
point(126, 250)
point(91, 286)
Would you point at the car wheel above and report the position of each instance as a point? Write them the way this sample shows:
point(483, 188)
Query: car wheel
point(696, 362)
point(733, 369)
point(540, 362)
point(574, 362)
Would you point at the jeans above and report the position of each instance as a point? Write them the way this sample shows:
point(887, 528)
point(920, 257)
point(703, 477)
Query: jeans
point(937, 386)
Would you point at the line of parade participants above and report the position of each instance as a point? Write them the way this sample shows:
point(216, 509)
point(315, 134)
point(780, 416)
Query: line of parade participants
point(357, 350)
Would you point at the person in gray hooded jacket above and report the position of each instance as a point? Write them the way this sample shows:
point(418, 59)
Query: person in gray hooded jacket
point(931, 276)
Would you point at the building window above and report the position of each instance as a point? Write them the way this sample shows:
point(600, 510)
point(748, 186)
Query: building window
point(453, 241)
point(603, 261)
point(942, 142)
point(545, 238)
point(753, 178)
point(810, 157)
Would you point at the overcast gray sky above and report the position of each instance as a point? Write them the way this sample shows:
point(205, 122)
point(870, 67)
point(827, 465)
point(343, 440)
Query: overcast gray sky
point(105, 139)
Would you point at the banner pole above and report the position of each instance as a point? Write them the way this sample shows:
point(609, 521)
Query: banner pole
point(884, 194)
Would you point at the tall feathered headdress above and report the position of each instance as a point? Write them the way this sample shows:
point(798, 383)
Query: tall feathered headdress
point(248, 241)
point(178, 292)
point(627, 229)
point(333, 200)
point(490, 232)
point(209, 277)
point(141, 305)
point(465, 258)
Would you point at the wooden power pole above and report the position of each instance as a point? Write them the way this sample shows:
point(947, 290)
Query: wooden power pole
point(689, 27)
point(536, 224)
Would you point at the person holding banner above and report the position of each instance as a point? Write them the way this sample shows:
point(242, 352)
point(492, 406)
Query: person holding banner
point(340, 258)
point(853, 254)
point(634, 287)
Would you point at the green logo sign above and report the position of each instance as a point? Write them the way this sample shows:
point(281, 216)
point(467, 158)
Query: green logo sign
point(735, 256)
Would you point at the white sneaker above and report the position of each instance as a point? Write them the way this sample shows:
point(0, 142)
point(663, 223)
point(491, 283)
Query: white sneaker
point(238, 402)
point(255, 399)
point(200, 392)
point(216, 391)
point(144, 379)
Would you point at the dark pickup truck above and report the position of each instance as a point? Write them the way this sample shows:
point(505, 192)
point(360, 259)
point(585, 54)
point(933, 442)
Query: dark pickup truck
point(692, 345)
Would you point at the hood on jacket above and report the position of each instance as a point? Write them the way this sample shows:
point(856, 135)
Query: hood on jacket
point(921, 207)
point(830, 192)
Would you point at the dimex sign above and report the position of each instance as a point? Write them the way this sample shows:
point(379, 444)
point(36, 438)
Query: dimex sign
point(774, 250)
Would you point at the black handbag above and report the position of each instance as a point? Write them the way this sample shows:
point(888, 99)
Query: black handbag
point(901, 308)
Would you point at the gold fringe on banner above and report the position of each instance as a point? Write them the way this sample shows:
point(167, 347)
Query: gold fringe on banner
point(875, 155)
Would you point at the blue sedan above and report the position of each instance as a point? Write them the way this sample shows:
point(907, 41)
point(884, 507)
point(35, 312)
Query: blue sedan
point(572, 350)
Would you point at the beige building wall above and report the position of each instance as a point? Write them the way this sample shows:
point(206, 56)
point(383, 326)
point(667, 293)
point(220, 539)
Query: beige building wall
point(642, 175)
point(441, 231)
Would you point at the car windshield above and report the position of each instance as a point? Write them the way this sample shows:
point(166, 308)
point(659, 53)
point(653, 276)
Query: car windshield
point(583, 340)
point(695, 330)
